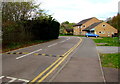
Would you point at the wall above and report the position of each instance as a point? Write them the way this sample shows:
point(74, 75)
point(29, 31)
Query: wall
point(105, 31)
point(88, 23)
point(78, 31)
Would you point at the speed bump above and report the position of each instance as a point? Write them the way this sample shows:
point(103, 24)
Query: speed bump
point(43, 54)
point(50, 55)
point(17, 52)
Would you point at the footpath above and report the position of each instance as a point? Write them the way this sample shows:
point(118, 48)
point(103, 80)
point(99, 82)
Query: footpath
point(83, 66)
point(111, 74)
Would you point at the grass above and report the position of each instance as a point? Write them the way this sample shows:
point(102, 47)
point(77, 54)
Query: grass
point(18, 45)
point(71, 35)
point(110, 60)
point(107, 41)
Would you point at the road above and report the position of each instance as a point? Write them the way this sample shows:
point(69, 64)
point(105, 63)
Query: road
point(41, 63)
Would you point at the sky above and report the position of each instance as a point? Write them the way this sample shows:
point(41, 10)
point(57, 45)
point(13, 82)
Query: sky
point(77, 10)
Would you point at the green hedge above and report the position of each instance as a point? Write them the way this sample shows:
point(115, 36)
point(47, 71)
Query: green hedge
point(29, 30)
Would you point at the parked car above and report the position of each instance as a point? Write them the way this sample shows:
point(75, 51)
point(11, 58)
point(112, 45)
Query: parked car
point(91, 35)
point(115, 35)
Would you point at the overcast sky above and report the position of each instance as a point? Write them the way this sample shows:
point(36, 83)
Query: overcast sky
point(77, 10)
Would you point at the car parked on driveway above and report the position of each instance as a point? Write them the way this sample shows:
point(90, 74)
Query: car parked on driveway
point(91, 35)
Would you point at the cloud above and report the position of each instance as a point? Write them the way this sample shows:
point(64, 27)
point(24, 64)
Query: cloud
point(76, 10)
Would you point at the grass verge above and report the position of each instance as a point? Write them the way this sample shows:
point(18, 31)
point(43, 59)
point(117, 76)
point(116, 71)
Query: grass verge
point(14, 46)
point(107, 41)
point(71, 35)
point(110, 60)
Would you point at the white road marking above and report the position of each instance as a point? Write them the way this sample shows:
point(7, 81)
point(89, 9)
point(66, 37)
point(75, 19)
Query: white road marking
point(23, 80)
point(12, 79)
point(2, 77)
point(62, 41)
point(68, 38)
point(52, 44)
point(28, 54)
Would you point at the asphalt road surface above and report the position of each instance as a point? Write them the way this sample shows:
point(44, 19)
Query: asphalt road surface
point(46, 62)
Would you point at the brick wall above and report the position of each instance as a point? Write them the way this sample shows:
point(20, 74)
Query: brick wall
point(105, 30)
point(78, 31)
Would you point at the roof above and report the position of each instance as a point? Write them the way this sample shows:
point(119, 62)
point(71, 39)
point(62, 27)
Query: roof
point(92, 26)
point(69, 30)
point(83, 21)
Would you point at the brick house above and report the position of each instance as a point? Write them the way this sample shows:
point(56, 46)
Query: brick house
point(84, 24)
point(93, 25)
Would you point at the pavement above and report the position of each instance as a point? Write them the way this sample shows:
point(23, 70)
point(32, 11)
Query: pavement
point(108, 49)
point(83, 66)
point(67, 59)
point(111, 74)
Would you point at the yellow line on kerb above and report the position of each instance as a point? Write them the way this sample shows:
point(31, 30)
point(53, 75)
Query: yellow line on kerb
point(58, 63)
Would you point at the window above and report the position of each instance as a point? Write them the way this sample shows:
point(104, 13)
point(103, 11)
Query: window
point(79, 26)
point(103, 25)
point(83, 25)
point(108, 32)
point(102, 32)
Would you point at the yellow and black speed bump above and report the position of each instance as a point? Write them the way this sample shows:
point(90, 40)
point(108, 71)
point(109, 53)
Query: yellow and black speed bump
point(17, 53)
point(48, 55)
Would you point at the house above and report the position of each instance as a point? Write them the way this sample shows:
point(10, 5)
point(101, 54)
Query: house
point(84, 24)
point(93, 25)
point(68, 31)
point(102, 29)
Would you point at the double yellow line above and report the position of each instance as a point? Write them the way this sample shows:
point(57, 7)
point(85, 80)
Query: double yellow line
point(55, 64)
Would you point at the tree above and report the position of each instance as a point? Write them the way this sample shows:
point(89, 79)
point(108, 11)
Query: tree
point(15, 11)
point(115, 22)
point(66, 25)
point(14, 15)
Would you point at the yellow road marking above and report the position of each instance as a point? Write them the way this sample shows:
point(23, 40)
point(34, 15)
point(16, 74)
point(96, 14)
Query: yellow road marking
point(50, 54)
point(24, 52)
point(57, 64)
point(36, 53)
point(47, 69)
point(17, 52)
point(44, 71)
point(43, 54)
point(64, 55)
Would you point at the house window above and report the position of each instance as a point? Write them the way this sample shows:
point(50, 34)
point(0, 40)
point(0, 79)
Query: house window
point(101, 32)
point(103, 25)
point(84, 26)
point(108, 32)
point(79, 26)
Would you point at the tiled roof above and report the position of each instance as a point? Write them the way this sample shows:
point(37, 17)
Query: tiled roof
point(92, 26)
point(69, 30)
point(83, 21)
